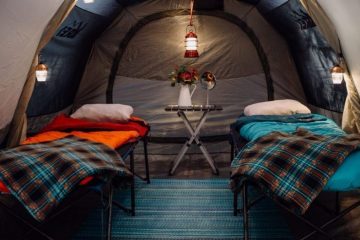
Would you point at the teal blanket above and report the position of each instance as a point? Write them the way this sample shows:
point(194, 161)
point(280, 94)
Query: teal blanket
point(253, 127)
point(346, 178)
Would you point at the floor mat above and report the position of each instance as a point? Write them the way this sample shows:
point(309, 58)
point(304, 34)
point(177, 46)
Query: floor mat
point(185, 209)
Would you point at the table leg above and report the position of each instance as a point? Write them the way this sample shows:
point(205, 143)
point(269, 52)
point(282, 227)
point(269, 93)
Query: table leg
point(179, 157)
point(187, 144)
point(195, 133)
point(209, 159)
point(194, 137)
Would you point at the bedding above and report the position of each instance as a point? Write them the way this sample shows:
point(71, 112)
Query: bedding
point(106, 134)
point(65, 124)
point(104, 112)
point(292, 143)
point(253, 127)
point(112, 139)
point(276, 107)
point(41, 175)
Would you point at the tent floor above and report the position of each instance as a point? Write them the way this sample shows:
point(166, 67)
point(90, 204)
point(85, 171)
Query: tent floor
point(194, 166)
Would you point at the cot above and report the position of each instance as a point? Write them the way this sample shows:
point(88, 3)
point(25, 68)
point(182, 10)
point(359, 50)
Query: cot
point(272, 153)
point(76, 143)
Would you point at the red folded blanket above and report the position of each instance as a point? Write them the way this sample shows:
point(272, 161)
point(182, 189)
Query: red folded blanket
point(65, 123)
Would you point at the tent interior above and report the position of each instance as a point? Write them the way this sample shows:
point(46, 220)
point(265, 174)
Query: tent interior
point(122, 51)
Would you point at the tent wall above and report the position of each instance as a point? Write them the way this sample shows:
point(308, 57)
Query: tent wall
point(313, 55)
point(66, 65)
point(21, 26)
point(153, 51)
point(345, 17)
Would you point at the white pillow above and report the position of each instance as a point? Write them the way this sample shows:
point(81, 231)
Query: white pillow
point(104, 112)
point(276, 107)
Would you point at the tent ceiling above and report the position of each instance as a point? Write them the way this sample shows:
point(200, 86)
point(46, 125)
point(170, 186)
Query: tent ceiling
point(267, 5)
point(99, 7)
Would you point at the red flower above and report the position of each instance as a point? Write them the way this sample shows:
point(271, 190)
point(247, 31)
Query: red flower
point(183, 75)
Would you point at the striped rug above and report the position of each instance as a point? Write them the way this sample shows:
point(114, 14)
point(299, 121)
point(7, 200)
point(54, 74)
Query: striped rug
point(186, 209)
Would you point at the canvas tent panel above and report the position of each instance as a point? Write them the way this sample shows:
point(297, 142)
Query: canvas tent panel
point(312, 54)
point(106, 47)
point(151, 97)
point(159, 46)
point(283, 71)
point(95, 77)
point(21, 31)
point(266, 6)
point(65, 65)
point(345, 20)
point(96, 74)
point(104, 7)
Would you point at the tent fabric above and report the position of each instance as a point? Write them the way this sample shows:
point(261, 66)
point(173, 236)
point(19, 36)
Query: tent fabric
point(220, 15)
point(323, 22)
point(312, 54)
point(343, 19)
point(65, 65)
point(20, 37)
point(104, 7)
point(18, 126)
point(335, 116)
point(154, 50)
point(351, 117)
point(267, 6)
point(151, 100)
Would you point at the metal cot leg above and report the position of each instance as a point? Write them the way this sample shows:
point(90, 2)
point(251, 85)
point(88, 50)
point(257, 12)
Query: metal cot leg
point(132, 184)
point(235, 203)
point(109, 221)
point(245, 211)
point(337, 202)
point(232, 151)
point(145, 142)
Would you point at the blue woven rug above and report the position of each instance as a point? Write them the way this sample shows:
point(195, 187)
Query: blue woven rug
point(186, 209)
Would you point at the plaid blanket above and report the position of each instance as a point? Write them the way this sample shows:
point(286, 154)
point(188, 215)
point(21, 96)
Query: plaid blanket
point(41, 175)
point(293, 168)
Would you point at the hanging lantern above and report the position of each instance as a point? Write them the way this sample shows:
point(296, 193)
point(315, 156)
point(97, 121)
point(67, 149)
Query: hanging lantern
point(337, 74)
point(191, 40)
point(191, 43)
point(41, 72)
point(338, 71)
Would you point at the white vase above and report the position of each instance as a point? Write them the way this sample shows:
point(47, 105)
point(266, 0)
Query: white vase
point(185, 95)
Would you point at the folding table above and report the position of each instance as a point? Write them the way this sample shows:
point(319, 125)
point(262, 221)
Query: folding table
point(194, 132)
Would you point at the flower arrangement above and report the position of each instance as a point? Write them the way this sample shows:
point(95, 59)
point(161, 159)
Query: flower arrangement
point(184, 75)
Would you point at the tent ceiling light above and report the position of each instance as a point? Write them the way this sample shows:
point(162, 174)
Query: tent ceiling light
point(191, 40)
point(41, 72)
